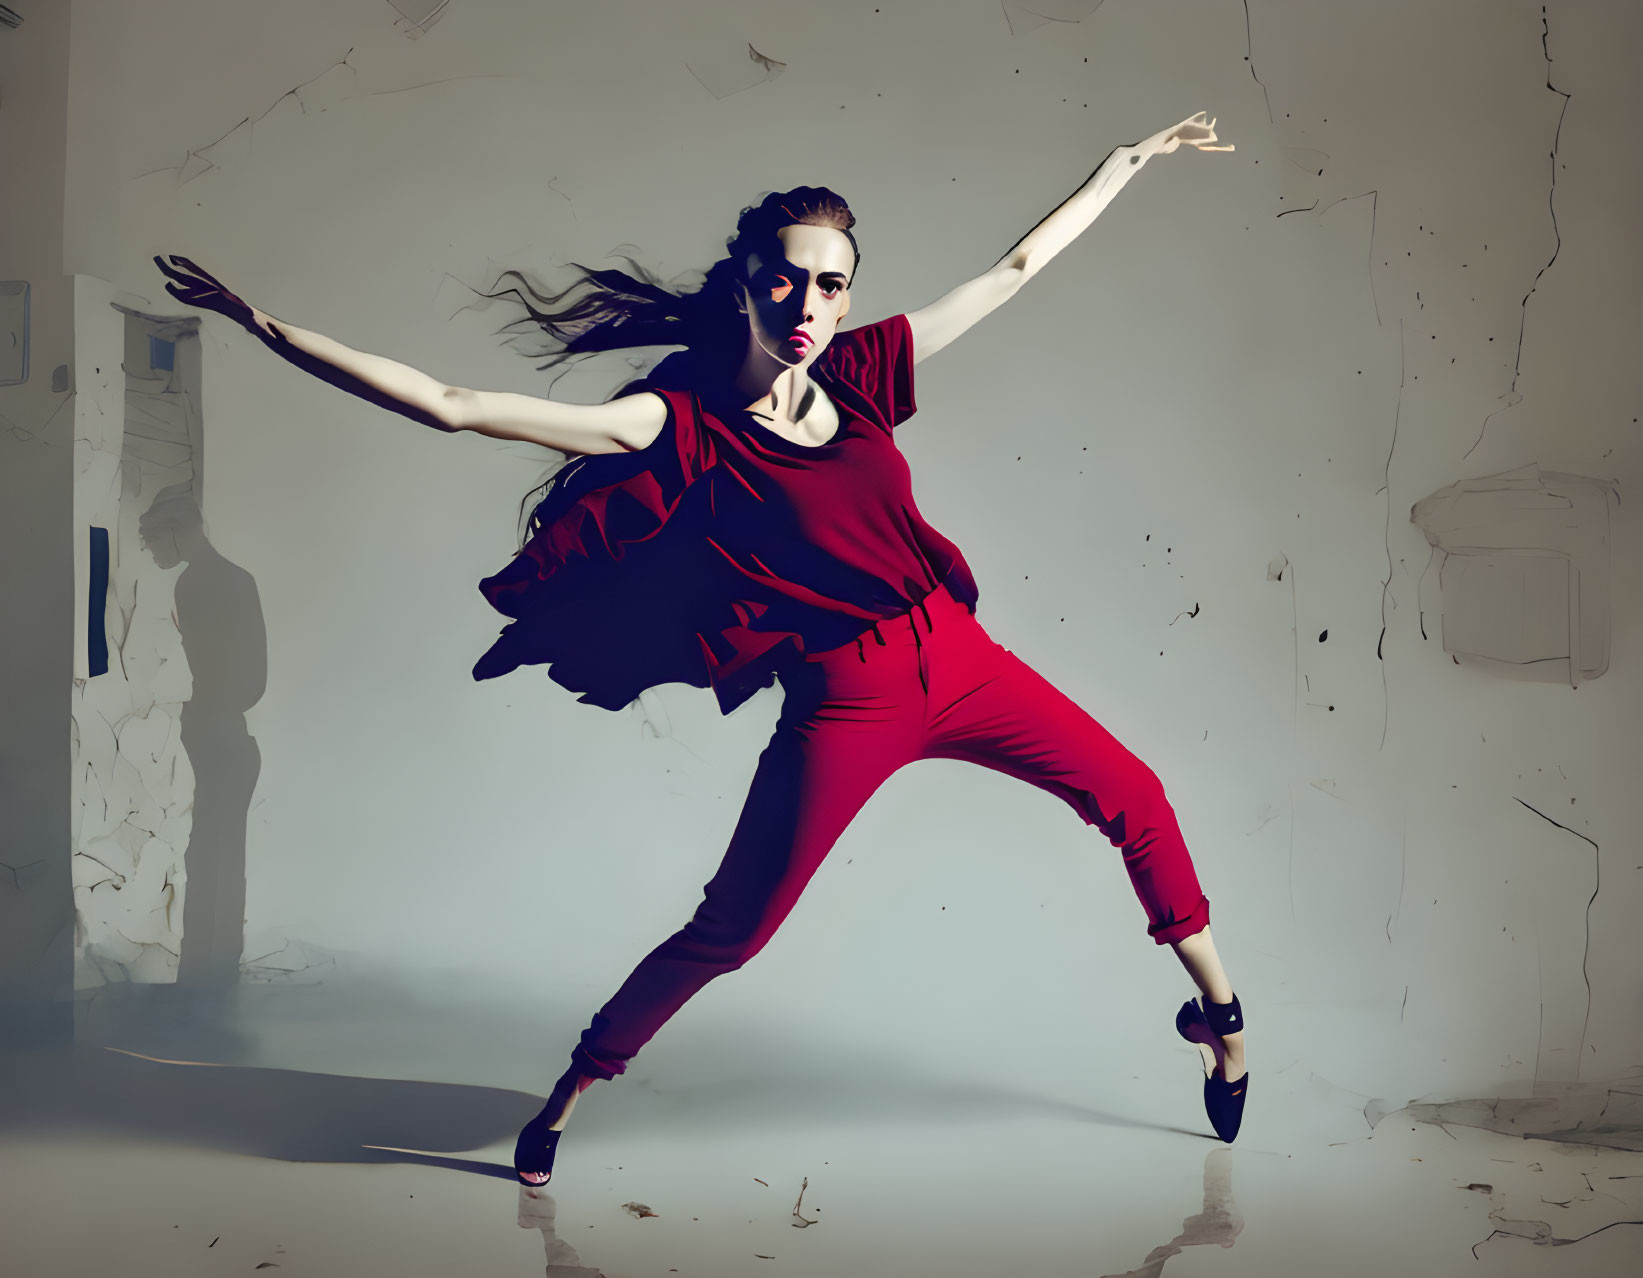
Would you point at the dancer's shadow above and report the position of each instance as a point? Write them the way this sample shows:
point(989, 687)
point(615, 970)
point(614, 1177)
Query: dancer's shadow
point(219, 616)
point(302, 1116)
point(267, 1113)
point(277, 1113)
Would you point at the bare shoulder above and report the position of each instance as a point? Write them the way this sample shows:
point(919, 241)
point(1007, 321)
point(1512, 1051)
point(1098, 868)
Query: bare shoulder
point(636, 420)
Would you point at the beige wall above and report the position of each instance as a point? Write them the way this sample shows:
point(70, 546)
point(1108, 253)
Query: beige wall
point(1198, 385)
point(36, 566)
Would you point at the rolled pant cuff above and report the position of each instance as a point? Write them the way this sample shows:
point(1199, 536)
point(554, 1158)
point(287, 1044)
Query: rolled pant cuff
point(592, 1067)
point(1178, 929)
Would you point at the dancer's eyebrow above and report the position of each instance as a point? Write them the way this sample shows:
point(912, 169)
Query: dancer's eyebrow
point(784, 267)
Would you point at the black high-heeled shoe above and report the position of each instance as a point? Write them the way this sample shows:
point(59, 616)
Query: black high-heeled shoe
point(1205, 1027)
point(534, 1151)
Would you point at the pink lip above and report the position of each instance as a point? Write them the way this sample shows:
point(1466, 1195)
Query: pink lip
point(803, 338)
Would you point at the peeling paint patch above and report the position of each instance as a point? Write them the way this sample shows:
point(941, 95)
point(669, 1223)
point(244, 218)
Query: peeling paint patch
point(1569, 1113)
point(1521, 563)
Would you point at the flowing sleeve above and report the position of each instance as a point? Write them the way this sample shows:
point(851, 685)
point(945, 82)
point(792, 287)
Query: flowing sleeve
point(617, 582)
point(873, 365)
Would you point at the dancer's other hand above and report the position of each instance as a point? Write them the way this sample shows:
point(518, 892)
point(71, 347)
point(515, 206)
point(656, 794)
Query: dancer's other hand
point(192, 285)
point(1193, 131)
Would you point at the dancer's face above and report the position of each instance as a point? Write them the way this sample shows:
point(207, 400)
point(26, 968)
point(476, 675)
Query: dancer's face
point(801, 290)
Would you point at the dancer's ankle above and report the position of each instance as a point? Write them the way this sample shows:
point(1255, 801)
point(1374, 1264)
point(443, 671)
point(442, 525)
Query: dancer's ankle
point(563, 1096)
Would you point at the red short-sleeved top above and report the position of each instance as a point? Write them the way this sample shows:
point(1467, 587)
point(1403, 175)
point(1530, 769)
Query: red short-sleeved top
point(723, 550)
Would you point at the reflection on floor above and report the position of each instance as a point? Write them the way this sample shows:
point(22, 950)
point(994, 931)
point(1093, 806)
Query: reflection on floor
point(293, 1147)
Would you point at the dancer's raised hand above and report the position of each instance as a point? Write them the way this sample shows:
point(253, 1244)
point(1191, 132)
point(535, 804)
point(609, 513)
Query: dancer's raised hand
point(192, 285)
point(1193, 131)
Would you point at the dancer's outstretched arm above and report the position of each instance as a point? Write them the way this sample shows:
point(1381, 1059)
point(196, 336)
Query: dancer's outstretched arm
point(622, 425)
point(944, 319)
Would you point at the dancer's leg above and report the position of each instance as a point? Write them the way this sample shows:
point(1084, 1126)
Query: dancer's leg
point(989, 707)
point(819, 768)
point(827, 757)
point(1203, 964)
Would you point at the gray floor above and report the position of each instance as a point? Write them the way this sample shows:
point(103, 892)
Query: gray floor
point(355, 1131)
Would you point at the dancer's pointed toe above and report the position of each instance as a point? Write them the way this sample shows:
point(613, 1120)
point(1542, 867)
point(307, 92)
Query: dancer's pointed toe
point(1224, 1103)
point(533, 1152)
point(1205, 1026)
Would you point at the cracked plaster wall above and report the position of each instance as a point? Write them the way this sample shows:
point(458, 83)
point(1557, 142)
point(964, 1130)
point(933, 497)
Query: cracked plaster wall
point(133, 779)
point(1414, 270)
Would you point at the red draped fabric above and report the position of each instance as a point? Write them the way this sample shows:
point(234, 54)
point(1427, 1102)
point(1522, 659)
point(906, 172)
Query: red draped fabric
point(723, 550)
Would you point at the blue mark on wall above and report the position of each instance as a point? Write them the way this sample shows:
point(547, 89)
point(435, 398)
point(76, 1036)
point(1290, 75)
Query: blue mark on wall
point(96, 639)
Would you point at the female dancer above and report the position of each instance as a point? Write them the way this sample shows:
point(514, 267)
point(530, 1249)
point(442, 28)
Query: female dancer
point(742, 514)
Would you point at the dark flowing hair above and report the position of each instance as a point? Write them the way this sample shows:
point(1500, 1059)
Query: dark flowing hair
point(617, 310)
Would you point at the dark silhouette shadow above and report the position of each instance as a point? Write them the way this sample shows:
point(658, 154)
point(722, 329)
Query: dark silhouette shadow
point(219, 616)
point(316, 1117)
point(266, 1113)
point(301, 1116)
point(298, 1116)
point(275, 1113)
point(324, 1117)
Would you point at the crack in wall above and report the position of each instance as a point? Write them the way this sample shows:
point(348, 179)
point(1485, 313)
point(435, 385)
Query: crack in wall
point(24, 435)
point(198, 153)
point(1597, 870)
point(16, 871)
point(724, 74)
point(1386, 586)
point(417, 17)
point(196, 162)
point(1540, 1232)
point(305, 958)
point(1403, 870)
point(1512, 397)
point(1373, 195)
point(1017, 15)
point(1249, 57)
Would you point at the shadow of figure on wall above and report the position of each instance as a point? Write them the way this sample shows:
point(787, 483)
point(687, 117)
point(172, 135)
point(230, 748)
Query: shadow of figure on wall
point(219, 616)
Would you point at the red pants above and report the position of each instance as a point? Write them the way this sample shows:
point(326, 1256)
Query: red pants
point(927, 684)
